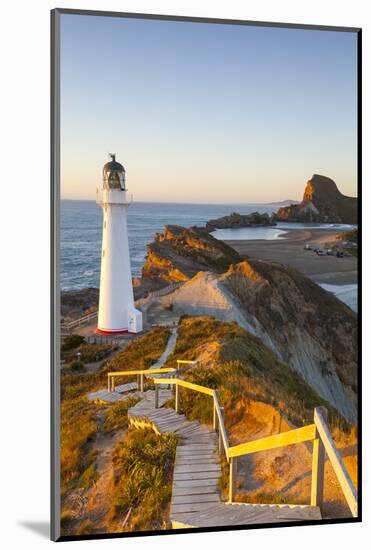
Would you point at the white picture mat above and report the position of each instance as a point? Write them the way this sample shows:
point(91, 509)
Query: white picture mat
point(25, 268)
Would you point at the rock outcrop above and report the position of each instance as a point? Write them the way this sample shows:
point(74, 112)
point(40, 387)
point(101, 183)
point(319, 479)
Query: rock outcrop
point(322, 202)
point(307, 327)
point(236, 220)
point(75, 303)
point(179, 253)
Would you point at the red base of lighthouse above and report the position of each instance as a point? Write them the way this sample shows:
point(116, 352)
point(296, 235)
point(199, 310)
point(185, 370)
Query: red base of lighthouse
point(100, 331)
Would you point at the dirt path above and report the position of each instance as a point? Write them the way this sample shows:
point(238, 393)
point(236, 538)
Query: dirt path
point(98, 501)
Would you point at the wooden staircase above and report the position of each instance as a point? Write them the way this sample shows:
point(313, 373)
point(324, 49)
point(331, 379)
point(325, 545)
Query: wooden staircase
point(196, 500)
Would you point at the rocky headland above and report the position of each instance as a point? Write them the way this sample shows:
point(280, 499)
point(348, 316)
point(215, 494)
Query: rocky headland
point(307, 327)
point(322, 202)
point(236, 220)
point(179, 253)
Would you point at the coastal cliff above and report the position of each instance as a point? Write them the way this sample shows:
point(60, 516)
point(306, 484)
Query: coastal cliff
point(179, 253)
point(307, 327)
point(322, 202)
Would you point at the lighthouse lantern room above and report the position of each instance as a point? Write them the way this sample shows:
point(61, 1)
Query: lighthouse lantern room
point(117, 313)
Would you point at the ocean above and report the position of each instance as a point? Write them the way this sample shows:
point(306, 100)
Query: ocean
point(81, 233)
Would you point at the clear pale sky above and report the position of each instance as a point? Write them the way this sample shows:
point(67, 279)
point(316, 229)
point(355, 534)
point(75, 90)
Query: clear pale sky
point(206, 113)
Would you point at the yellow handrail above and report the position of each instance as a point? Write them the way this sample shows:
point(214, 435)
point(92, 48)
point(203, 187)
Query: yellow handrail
point(222, 430)
point(307, 433)
point(317, 432)
point(144, 371)
point(140, 373)
point(342, 475)
point(184, 384)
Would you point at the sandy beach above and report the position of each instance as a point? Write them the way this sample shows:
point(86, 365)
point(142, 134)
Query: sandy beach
point(290, 250)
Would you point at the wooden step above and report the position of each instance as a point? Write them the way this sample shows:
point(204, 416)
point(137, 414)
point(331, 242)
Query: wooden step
point(223, 514)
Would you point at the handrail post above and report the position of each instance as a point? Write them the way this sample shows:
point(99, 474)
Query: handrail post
point(177, 397)
point(215, 416)
point(232, 478)
point(157, 387)
point(138, 381)
point(109, 383)
point(142, 383)
point(220, 431)
point(318, 465)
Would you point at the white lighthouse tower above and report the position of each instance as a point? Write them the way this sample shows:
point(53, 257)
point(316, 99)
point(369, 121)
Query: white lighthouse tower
point(117, 313)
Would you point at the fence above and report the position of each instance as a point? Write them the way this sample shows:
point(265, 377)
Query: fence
point(318, 433)
point(142, 302)
point(149, 373)
point(79, 322)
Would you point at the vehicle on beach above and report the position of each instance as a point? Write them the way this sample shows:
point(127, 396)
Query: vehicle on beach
point(307, 247)
point(321, 252)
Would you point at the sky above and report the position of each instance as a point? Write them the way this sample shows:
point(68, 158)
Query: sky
point(206, 113)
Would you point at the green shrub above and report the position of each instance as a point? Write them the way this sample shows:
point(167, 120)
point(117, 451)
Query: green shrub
point(77, 365)
point(72, 342)
point(89, 353)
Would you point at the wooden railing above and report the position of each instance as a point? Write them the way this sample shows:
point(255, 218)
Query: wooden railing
point(318, 433)
point(148, 373)
point(80, 321)
point(324, 443)
point(139, 373)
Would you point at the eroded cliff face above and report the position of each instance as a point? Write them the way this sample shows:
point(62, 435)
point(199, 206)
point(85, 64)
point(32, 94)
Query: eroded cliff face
point(322, 202)
point(308, 328)
point(179, 253)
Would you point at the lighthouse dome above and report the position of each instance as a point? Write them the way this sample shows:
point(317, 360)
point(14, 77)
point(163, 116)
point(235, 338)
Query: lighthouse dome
point(114, 174)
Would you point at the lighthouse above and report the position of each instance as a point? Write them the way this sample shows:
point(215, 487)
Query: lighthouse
point(117, 313)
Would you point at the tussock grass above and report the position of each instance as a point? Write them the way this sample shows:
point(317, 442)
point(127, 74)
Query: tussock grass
point(117, 414)
point(144, 465)
point(78, 426)
point(74, 385)
point(89, 353)
point(261, 496)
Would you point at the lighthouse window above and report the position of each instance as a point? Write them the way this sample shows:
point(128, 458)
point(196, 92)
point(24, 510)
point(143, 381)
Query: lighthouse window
point(103, 253)
point(105, 223)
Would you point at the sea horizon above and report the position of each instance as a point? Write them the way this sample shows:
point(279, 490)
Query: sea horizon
point(279, 202)
point(81, 232)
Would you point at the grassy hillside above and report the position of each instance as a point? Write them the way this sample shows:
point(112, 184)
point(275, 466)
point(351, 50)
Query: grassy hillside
point(82, 421)
point(243, 370)
point(142, 352)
